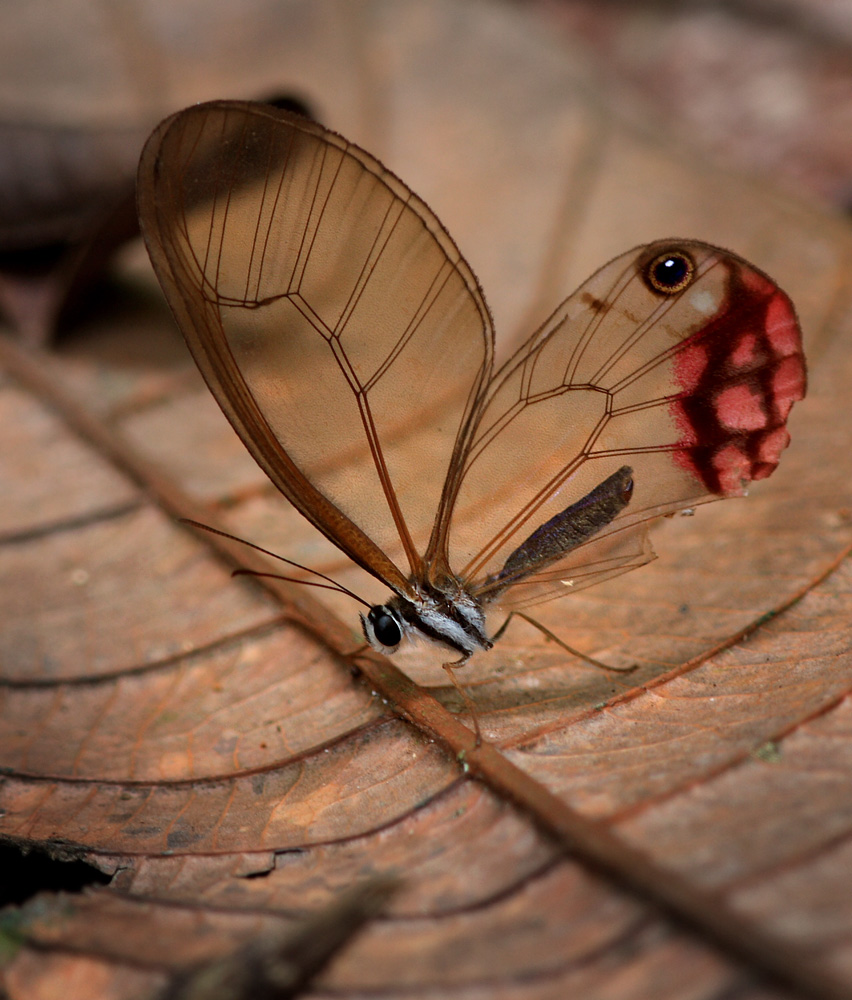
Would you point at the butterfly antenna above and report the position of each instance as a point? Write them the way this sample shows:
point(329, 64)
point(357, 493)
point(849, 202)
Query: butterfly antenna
point(328, 583)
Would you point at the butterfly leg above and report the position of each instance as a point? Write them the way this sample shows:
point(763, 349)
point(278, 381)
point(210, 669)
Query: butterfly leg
point(559, 642)
point(465, 696)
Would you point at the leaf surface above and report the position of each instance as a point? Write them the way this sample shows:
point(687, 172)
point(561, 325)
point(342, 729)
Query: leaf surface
point(207, 739)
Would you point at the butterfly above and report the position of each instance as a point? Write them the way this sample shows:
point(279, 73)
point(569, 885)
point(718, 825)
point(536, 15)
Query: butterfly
point(349, 344)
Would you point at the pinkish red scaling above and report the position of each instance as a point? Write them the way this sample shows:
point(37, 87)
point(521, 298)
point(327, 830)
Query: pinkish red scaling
point(740, 375)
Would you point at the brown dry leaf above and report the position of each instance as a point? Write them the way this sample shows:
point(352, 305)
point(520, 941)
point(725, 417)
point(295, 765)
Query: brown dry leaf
point(679, 832)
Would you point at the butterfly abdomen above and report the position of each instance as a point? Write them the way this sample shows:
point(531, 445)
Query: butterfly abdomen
point(566, 530)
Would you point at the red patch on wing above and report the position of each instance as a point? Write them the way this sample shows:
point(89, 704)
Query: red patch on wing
point(771, 446)
point(690, 364)
point(740, 408)
point(733, 469)
point(688, 434)
point(782, 327)
point(788, 385)
point(754, 282)
point(744, 355)
point(740, 375)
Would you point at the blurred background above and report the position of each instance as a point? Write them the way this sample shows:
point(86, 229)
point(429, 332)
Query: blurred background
point(531, 127)
point(548, 136)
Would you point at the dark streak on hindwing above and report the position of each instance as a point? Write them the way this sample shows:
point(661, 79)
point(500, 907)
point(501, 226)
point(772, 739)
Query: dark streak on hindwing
point(566, 530)
point(700, 410)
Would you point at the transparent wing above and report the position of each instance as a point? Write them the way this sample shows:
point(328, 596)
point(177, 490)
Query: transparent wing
point(637, 398)
point(330, 313)
point(597, 560)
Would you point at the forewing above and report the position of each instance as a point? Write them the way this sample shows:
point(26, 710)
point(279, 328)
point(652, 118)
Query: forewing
point(690, 390)
point(329, 312)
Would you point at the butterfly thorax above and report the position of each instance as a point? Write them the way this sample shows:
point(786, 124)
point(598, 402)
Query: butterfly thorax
point(447, 614)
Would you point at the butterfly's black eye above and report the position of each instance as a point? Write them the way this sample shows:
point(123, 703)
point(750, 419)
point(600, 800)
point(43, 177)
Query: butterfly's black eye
point(385, 627)
point(669, 273)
